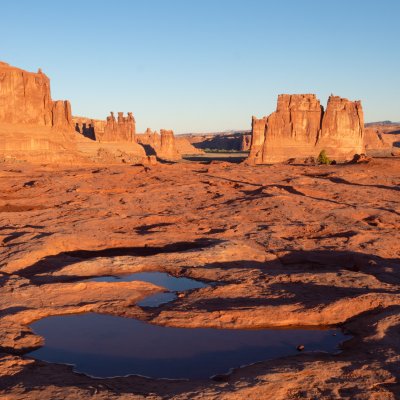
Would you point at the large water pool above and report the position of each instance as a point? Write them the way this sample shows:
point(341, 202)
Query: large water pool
point(106, 346)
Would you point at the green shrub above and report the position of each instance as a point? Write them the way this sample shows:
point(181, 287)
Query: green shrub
point(323, 158)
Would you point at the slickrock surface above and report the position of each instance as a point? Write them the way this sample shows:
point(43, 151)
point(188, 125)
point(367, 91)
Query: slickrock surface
point(300, 128)
point(286, 245)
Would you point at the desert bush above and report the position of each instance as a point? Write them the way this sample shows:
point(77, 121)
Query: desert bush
point(323, 158)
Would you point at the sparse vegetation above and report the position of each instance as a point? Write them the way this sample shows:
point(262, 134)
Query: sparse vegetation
point(323, 158)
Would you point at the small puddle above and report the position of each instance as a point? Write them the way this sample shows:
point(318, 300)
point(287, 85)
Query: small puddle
point(107, 346)
point(157, 278)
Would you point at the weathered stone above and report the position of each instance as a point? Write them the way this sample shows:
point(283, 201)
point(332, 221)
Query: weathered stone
point(168, 149)
point(121, 130)
point(166, 146)
point(25, 99)
point(342, 133)
point(61, 113)
point(300, 128)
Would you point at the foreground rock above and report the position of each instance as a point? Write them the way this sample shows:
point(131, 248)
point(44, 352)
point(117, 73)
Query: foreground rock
point(286, 246)
point(300, 128)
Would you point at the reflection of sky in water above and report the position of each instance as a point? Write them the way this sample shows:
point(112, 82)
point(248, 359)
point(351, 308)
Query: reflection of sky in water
point(157, 278)
point(103, 345)
point(157, 299)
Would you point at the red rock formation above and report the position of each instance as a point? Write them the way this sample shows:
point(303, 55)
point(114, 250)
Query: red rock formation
point(61, 113)
point(342, 133)
point(25, 99)
point(299, 128)
point(246, 143)
point(381, 140)
point(185, 147)
point(166, 146)
point(168, 150)
point(120, 130)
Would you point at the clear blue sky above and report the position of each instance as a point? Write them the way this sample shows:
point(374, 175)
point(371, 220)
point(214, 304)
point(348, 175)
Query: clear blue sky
point(206, 65)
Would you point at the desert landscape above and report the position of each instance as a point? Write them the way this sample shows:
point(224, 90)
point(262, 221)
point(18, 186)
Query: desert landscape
point(160, 263)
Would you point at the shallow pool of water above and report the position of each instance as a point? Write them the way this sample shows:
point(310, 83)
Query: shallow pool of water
point(105, 346)
point(157, 278)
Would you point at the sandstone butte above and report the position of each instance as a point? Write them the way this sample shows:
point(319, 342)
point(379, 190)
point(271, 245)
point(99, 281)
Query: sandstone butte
point(165, 145)
point(300, 128)
point(35, 128)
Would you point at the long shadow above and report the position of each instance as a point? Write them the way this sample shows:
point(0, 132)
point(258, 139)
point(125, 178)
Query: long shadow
point(346, 182)
point(63, 259)
point(387, 270)
point(149, 229)
point(309, 294)
point(287, 188)
point(208, 160)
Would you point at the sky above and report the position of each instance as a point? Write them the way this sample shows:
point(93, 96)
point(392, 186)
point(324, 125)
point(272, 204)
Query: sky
point(206, 65)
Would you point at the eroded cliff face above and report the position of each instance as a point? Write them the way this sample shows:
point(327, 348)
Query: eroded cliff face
point(25, 99)
point(122, 129)
point(168, 150)
point(165, 145)
point(342, 131)
point(300, 128)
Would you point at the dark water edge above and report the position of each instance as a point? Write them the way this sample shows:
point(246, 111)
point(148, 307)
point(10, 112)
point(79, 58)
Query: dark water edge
point(107, 346)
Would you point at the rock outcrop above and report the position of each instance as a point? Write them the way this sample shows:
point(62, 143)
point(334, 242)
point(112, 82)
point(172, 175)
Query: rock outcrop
point(122, 129)
point(382, 140)
point(168, 150)
point(300, 128)
point(33, 127)
point(220, 141)
point(165, 145)
point(342, 133)
point(25, 99)
point(184, 147)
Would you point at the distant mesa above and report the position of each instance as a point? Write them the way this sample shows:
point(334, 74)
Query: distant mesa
point(300, 128)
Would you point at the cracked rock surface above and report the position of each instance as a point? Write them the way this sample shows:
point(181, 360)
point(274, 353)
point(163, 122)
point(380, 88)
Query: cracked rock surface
point(284, 245)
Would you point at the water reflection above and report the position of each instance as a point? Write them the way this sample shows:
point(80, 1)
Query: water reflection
point(158, 278)
point(105, 346)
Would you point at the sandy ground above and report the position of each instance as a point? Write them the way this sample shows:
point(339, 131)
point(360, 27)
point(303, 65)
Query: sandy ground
point(287, 245)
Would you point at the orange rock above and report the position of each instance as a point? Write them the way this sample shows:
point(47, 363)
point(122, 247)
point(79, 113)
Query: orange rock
point(25, 99)
point(164, 145)
point(300, 128)
point(168, 150)
point(342, 133)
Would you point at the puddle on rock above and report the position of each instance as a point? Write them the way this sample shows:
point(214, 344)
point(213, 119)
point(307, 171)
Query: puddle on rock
point(106, 346)
point(157, 278)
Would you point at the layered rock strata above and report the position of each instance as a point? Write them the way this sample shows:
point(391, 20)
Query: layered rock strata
point(163, 145)
point(300, 128)
point(25, 99)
